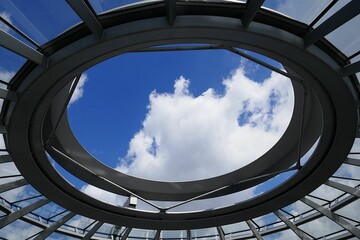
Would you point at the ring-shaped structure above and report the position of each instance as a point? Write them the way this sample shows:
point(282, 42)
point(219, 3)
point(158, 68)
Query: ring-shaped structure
point(27, 116)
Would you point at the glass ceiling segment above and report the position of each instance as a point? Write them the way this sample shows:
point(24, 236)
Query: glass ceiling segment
point(41, 20)
point(10, 63)
point(101, 6)
point(304, 11)
point(347, 37)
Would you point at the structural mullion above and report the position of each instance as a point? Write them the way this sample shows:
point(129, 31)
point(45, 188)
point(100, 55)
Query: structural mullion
point(7, 94)
point(92, 231)
point(352, 161)
point(351, 68)
point(349, 11)
point(87, 15)
point(3, 129)
point(126, 233)
point(353, 191)
point(17, 46)
point(188, 234)
point(170, 7)
point(157, 235)
point(5, 158)
point(18, 214)
point(11, 185)
point(333, 216)
point(253, 230)
point(292, 226)
point(252, 6)
point(221, 233)
point(49, 230)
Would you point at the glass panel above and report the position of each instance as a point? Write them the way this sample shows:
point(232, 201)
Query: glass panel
point(339, 4)
point(346, 38)
point(58, 236)
point(173, 234)
point(326, 192)
point(320, 227)
point(105, 230)
point(80, 222)
point(2, 143)
point(49, 210)
point(350, 172)
point(10, 63)
point(41, 20)
point(304, 11)
point(283, 235)
point(21, 193)
point(267, 221)
point(11, 231)
point(351, 210)
point(101, 6)
point(209, 233)
point(142, 233)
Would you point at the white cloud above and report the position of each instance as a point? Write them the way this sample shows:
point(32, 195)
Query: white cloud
point(79, 90)
point(6, 75)
point(187, 137)
point(3, 26)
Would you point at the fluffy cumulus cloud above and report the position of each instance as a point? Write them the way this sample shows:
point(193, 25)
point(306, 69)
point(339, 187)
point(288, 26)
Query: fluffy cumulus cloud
point(187, 137)
point(6, 75)
point(79, 90)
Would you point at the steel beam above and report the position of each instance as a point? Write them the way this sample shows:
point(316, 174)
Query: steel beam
point(353, 191)
point(157, 235)
point(221, 233)
point(349, 11)
point(7, 94)
point(17, 46)
point(170, 7)
point(188, 234)
point(253, 230)
point(333, 216)
point(252, 6)
point(3, 129)
point(87, 15)
point(18, 214)
point(49, 230)
point(126, 233)
point(5, 158)
point(352, 161)
point(11, 185)
point(92, 231)
point(351, 68)
point(292, 226)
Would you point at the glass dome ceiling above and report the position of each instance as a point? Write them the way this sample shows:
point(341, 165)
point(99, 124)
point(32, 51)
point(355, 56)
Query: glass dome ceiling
point(306, 186)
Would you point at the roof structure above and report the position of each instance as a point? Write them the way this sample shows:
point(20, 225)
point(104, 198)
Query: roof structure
point(318, 156)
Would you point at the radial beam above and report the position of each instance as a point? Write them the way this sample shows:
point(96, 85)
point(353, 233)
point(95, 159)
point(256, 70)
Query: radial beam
point(17, 46)
point(5, 158)
point(292, 226)
point(188, 234)
point(333, 216)
point(170, 7)
point(349, 11)
point(11, 185)
point(18, 214)
point(92, 231)
point(352, 161)
point(252, 6)
point(157, 235)
point(351, 68)
point(126, 233)
point(7, 94)
point(87, 15)
point(353, 191)
point(253, 230)
point(49, 230)
point(221, 233)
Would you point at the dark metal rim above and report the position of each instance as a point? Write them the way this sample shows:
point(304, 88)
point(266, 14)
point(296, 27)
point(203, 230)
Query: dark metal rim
point(332, 149)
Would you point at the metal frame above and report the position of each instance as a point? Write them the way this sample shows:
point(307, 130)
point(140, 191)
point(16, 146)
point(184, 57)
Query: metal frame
point(154, 32)
point(87, 15)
